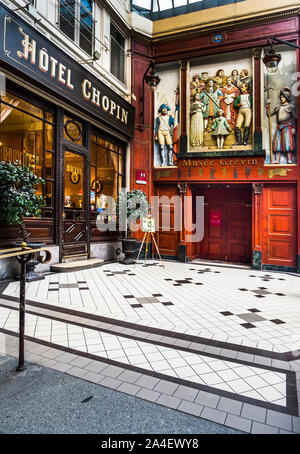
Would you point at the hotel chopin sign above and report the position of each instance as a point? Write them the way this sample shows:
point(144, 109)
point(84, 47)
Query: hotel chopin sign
point(29, 52)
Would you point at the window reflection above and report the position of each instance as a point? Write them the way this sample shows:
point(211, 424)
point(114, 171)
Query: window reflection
point(106, 175)
point(22, 138)
point(74, 186)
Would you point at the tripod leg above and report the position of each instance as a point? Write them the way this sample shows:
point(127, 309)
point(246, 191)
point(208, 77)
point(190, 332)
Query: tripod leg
point(146, 249)
point(157, 250)
point(140, 250)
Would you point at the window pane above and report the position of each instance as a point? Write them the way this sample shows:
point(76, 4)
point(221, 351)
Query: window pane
point(49, 117)
point(142, 3)
point(67, 17)
point(121, 164)
point(93, 154)
point(74, 180)
point(14, 101)
point(48, 194)
point(48, 165)
point(165, 4)
point(39, 189)
point(48, 137)
point(180, 2)
point(117, 54)
point(86, 26)
point(21, 136)
point(120, 182)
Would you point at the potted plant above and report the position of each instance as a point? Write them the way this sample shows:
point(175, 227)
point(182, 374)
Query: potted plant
point(18, 199)
point(131, 206)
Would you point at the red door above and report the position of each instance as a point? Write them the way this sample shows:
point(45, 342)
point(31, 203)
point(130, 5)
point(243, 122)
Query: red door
point(228, 223)
point(279, 226)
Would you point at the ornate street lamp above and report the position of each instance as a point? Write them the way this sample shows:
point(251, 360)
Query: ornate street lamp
point(271, 59)
point(152, 80)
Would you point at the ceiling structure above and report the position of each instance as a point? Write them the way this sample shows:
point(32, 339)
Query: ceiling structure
point(162, 9)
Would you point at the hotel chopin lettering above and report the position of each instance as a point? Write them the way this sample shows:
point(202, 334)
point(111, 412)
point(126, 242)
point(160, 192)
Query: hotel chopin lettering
point(63, 75)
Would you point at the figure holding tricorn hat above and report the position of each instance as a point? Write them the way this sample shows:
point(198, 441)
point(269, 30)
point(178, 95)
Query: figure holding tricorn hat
point(285, 136)
point(163, 129)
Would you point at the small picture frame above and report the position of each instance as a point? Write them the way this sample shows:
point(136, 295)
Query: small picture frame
point(148, 225)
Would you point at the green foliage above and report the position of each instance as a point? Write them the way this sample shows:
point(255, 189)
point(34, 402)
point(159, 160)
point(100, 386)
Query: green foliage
point(133, 203)
point(18, 197)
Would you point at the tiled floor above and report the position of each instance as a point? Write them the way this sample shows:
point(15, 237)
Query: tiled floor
point(230, 334)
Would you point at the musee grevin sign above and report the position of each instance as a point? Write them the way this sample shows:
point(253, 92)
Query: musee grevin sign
point(30, 53)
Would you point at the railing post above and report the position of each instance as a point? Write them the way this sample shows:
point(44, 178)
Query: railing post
point(24, 255)
point(21, 367)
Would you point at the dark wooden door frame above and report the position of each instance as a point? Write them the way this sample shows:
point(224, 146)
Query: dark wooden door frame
point(83, 155)
point(218, 204)
point(61, 145)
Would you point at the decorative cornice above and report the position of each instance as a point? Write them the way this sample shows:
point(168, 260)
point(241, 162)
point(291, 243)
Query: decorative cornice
point(177, 34)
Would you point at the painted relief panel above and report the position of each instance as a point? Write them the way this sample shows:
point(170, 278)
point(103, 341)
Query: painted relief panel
point(166, 125)
point(221, 103)
point(280, 126)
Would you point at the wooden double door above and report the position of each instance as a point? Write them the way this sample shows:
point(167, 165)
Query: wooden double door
point(227, 223)
point(74, 232)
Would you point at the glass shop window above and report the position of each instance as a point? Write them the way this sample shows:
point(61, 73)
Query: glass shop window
point(107, 175)
point(26, 135)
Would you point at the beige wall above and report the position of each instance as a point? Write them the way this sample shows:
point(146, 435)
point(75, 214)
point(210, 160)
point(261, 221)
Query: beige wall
point(222, 14)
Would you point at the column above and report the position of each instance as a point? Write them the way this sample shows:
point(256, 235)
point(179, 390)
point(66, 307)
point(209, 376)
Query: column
point(182, 247)
point(183, 102)
point(257, 99)
point(257, 251)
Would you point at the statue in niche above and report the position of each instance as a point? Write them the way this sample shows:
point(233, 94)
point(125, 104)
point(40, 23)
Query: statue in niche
point(197, 86)
point(220, 128)
point(285, 135)
point(243, 104)
point(230, 92)
point(220, 78)
point(211, 98)
point(163, 127)
point(197, 129)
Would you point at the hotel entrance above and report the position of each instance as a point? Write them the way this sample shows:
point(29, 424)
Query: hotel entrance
point(74, 239)
point(227, 223)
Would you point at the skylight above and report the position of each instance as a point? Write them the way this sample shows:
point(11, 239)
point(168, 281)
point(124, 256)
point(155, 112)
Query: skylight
point(161, 9)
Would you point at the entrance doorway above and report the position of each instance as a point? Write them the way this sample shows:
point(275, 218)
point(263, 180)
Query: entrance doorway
point(227, 223)
point(74, 239)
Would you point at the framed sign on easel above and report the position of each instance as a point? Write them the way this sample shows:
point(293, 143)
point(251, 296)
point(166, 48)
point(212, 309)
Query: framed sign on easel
point(148, 227)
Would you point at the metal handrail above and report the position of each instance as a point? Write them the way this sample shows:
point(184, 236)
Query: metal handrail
point(24, 255)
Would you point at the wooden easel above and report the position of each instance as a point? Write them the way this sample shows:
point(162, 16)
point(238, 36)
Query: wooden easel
point(146, 238)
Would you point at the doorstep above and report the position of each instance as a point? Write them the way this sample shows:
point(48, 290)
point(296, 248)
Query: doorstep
point(77, 266)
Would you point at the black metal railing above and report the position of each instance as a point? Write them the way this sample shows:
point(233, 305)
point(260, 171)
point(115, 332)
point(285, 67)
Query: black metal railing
point(24, 255)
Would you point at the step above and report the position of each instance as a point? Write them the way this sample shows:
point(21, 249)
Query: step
point(74, 258)
point(76, 266)
point(221, 264)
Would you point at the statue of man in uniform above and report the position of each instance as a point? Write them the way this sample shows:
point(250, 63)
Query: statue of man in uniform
point(243, 103)
point(285, 135)
point(163, 127)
